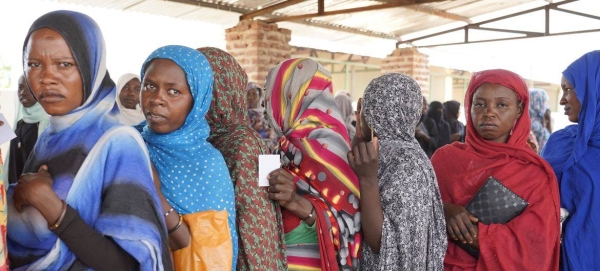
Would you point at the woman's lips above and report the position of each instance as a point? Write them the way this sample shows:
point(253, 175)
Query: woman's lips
point(488, 125)
point(151, 116)
point(51, 98)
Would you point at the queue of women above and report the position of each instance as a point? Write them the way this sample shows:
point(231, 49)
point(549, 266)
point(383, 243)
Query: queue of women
point(167, 178)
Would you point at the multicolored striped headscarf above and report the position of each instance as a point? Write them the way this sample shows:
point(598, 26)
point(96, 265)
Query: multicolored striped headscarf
point(314, 144)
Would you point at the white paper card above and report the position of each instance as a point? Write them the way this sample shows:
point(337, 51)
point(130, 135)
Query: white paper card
point(267, 163)
point(6, 133)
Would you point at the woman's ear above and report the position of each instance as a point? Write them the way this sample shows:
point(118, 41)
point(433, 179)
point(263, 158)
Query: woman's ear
point(520, 106)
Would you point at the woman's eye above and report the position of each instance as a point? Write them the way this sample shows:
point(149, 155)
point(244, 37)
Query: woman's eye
point(33, 64)
point(173, 91)
point(478, 105)
point(66, 64)
point(148, 87)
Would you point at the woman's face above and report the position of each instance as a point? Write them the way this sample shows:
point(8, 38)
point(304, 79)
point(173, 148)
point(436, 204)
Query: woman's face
point(52, 72)
point(253, 98)
point(494, 111)
point(569, 100)
point(130, 94)
point(166, 97)
point(25, 96)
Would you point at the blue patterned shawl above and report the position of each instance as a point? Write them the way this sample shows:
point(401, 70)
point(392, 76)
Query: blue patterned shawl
point(100, 168)
point(538, 104)
point(193, 173)
point(573, 153)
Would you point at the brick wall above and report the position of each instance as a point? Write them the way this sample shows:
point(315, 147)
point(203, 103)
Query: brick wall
point(411, 62)
point(258, 46)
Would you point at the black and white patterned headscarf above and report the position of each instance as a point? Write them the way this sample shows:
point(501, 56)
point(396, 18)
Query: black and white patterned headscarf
point(413, 233)
point(392, 106)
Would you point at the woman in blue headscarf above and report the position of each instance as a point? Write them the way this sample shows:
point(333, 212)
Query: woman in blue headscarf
point(573, 153)
point(87, 199)
point(176, 94)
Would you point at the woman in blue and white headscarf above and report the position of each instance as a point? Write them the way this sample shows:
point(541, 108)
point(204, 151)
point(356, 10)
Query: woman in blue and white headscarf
point(87, 200)
point(538, 107)
point(177, 85)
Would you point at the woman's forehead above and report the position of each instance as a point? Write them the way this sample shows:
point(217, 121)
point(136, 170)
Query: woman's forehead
point(488, 90)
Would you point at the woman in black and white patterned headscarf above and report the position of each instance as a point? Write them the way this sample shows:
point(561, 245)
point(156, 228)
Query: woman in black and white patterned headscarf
point(404, 228)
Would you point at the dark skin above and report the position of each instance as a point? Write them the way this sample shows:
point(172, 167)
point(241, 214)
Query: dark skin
point(570, 101)
point(52, 72)
point(166, 101)
point(166, 98)
point(282, 189)
point(25, 96)
point(130, 94)
point(494, 111)
point(253, 97)
point(56, 83)
point(364, 161)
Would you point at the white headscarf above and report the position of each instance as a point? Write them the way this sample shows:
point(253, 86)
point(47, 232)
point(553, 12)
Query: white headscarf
point(128, 116)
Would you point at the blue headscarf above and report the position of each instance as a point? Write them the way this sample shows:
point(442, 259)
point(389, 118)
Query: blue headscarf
point(193, 174)
point(574, 153)
point(538, 104)
point(100, 168)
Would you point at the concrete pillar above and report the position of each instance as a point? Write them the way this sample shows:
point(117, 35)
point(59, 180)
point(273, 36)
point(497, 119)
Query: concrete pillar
point(411, 62)
point(258, 46)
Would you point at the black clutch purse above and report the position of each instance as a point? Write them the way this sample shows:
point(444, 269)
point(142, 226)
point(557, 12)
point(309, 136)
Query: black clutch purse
point(494, 203)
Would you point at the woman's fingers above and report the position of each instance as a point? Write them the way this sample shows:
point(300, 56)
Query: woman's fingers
point(450, 230)
point(472, 228)
point(459, 230)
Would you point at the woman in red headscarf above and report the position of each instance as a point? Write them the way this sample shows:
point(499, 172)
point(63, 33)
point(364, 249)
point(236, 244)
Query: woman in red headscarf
point(498, 125)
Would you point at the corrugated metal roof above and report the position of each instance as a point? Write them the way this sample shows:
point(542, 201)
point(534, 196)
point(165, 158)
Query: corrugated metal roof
point(390, 23)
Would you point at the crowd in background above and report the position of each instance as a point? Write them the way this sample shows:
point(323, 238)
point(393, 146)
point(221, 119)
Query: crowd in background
point(161, 171)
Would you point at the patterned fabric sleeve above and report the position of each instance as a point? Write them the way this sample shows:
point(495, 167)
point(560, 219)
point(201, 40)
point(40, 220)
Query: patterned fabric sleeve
point(3, 255)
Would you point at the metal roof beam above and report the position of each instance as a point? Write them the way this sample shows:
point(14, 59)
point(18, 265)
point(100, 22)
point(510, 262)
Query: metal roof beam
point(352, 10)
point(238, 9)
point(436, 12)
point(440, 13)
point(528, 34)
point(215, 5)
point(269, 9)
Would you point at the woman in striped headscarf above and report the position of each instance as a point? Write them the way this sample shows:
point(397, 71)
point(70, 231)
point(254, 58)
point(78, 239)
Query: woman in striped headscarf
point(316, 187)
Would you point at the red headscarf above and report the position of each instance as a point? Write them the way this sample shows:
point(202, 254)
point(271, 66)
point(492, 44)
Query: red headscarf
point(531, 240)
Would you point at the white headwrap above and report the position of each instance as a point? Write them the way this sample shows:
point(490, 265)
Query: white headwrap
point(128, 116)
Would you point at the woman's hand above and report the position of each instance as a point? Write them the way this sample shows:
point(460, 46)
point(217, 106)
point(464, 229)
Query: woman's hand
point(364, 161)
point(35, 189)
point(31, 187)
point(282, 189)
point(460, 224)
